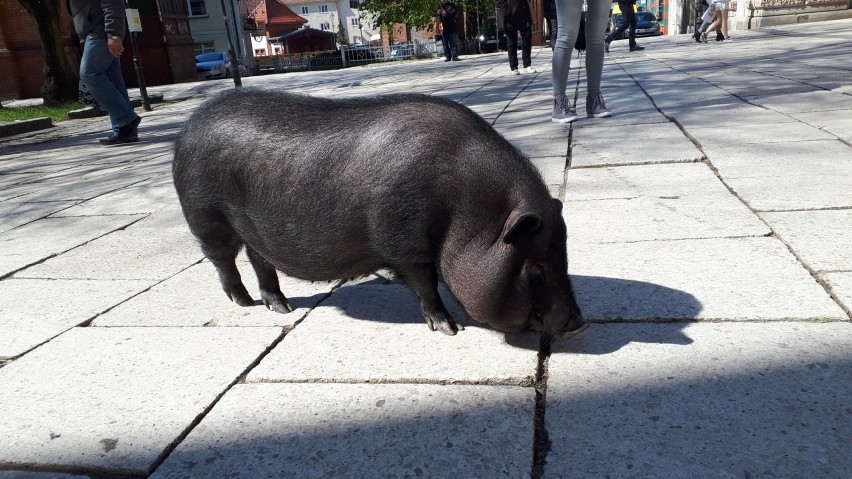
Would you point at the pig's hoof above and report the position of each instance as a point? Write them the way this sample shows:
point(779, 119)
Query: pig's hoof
point(276, 302)
point(572, 334)
point(240, 296)
point(444, 325)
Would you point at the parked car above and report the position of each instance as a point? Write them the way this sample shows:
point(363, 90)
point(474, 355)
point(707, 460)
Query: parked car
point(490, 38)
point(646, 25)
point(215, 65)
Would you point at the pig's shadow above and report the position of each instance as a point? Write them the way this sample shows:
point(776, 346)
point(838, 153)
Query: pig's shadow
point(601, 299)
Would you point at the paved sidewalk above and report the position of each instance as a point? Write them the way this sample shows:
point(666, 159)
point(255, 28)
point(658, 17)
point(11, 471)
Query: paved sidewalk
point(710, 236)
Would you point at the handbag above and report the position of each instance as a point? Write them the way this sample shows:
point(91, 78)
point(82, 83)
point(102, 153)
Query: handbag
point(85, 97)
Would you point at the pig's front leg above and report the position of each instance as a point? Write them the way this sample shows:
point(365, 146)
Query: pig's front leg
point(423, 279)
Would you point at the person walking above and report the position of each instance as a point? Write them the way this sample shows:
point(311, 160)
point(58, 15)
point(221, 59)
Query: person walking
point(100, 26)
point(446, 12)
point(628, 22)
point(722, 7)
point(568, 14)
point(548, 8)
point(517, 18)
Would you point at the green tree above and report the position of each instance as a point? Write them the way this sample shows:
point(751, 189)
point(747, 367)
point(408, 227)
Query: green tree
point(60, 81)
point(417, 13)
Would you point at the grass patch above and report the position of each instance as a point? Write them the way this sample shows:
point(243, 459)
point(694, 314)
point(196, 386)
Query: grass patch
point(55, 113)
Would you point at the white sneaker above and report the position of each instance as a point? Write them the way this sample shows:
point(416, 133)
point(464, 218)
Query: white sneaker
point(530, 69)
point(515, 72)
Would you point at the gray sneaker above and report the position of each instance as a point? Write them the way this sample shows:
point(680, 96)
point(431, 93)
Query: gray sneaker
point(595, 106)
point(562, 111)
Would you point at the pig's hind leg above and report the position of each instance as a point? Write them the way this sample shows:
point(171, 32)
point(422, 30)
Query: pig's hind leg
point(423, 279)
point(267, 279)
point(220, 244)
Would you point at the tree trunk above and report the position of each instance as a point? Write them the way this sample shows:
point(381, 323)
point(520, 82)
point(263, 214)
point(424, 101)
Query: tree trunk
point(60, 82)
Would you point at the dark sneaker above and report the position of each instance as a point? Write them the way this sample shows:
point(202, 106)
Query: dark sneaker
point(562, 111)
point(606, 46)
point(117, 140)
point(595, 106)
point(447, 60)
point(456, 59)
point(704, 37)
point(126, 134)
point(637, 48)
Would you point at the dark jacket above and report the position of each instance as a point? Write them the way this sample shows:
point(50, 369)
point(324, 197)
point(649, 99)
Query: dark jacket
point(448, 19)
point(548, 8)
point(97, 17)
point(513, 14)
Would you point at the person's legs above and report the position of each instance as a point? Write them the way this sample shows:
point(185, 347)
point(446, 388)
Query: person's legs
point(568, 18)
point(630, 20)
point(597, 17)
point(512, 46)
point(552, 27)
point(526, 46)
point(454, 48)
point(723, 16)
point(624, 7)
point(445, 39)
point(101, 73)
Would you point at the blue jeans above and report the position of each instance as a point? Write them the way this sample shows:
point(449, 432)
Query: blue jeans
point(450, 45)
point(101, 73)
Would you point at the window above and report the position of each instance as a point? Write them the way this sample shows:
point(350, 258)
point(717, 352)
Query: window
point(355, 4)
point(323, 8)
point(356, 22)
point(197, 8)
point(204, 47)
point(304, 10)
point(260, 52)
point(325, 27)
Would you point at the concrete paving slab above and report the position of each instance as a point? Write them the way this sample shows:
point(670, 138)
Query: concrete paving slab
point(194, 297)
point(705, 400)
point(820, 100)
point(542, 147)
point(360, 430)
point(744, 133)
point(787, 176)
point(840, 285)
point(132, 253)
point(36, 310)
point(691, 116)
point(821, 239)
point(705, 279)
point(664, 143)
point(114, 399)
point(70, 185)
point(16, 213)
point(376, 333)
point(54, 236)
point(552, 169)
point(653, 202)
point(12, 474)
point(144, 197)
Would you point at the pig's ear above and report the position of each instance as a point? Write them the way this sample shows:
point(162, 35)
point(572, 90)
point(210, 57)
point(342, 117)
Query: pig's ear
point(521, 226)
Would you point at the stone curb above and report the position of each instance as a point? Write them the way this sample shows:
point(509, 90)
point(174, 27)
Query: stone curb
point(24, 126)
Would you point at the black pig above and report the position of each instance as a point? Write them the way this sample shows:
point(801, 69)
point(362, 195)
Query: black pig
point(325, 189)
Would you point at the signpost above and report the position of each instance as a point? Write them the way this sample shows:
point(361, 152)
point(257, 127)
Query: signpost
point(134, 26)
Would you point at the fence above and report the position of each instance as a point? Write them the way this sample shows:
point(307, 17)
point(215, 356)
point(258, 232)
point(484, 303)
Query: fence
point(348, 55)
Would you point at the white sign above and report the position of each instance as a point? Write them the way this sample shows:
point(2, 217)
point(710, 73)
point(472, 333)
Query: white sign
point(134, 23)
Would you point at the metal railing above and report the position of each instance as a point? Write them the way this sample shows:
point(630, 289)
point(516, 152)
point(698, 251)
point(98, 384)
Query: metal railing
point(361, 54)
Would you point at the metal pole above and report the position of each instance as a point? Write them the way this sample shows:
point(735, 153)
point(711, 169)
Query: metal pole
point(140, 77)
point(235, 69)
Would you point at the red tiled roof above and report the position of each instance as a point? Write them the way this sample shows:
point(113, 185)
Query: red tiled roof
point(277, 12)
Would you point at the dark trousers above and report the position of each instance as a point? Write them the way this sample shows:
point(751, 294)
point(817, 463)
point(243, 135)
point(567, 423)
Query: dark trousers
point(512, 46)
point(629, 21)
point(552, 27)
point(451, 49)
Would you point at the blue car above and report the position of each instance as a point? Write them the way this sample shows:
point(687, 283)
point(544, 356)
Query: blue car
point(215, 65)
point(646, 25)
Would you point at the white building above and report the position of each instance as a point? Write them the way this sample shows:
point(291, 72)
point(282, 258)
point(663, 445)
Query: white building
point(331, 15)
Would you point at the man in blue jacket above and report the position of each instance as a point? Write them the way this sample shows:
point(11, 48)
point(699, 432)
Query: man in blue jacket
point(100, 26)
